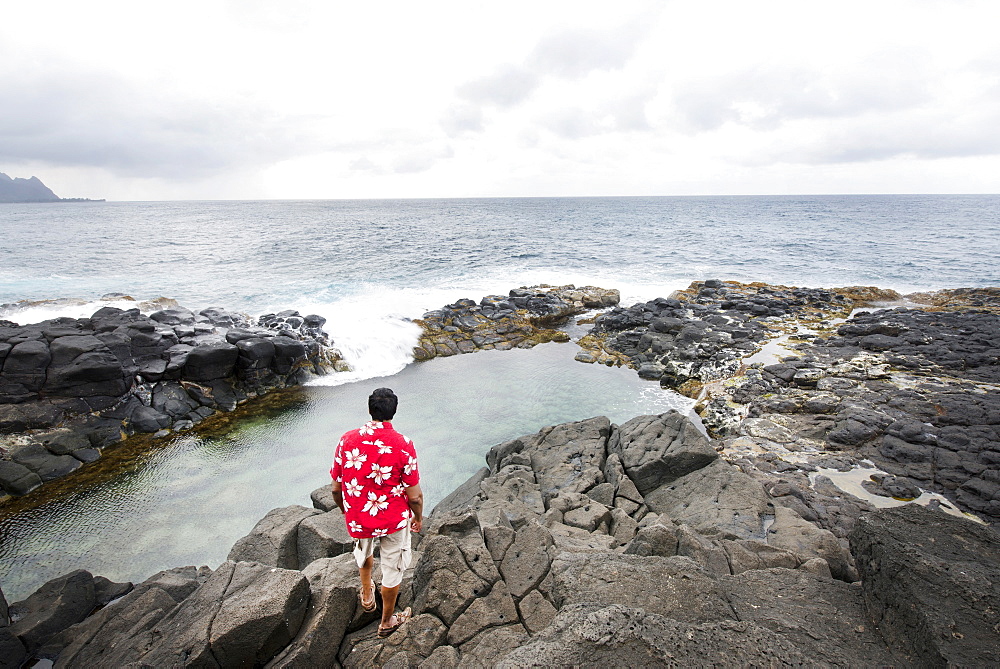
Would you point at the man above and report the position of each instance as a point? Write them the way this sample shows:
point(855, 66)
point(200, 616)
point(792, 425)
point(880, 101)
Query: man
point(377, 486)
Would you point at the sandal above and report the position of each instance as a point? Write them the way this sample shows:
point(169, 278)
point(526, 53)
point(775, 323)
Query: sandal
point(367, 607)
point(401, 619)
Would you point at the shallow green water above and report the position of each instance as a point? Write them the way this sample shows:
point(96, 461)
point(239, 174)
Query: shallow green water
point(192, 499)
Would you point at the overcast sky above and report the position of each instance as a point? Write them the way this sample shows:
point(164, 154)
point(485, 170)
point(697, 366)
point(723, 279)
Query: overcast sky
point(255, 99)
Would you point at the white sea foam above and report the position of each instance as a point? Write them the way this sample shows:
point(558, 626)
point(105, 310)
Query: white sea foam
point(27, 313)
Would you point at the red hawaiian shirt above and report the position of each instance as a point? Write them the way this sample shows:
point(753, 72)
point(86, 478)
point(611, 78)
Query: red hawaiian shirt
point(375, 465)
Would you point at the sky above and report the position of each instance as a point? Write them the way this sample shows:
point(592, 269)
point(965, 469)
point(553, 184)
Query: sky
point(254, 99)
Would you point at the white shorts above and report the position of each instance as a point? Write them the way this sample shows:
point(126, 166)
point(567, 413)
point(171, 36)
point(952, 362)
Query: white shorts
point(394, 555)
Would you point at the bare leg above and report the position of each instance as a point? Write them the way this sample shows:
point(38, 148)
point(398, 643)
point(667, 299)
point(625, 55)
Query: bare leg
point(388, 605)
point(365, 572)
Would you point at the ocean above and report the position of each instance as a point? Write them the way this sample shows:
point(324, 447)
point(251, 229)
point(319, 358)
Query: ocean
point(369, 266)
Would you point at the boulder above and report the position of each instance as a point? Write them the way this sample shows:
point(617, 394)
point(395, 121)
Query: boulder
point(322, 536)
point(489, 646)
point(931, 582)
point(495, 609)
point(97, 639)
point(83, 366)
point(527, 561)
point(536, 612)
point(241, 616)
point(61, 602)
point(213, 360)
point(16, 479)
point(322, 498)
point(792, 604)
point(717, 499)
point(48, 466)
point(274, 539)
point(570, 457)
point(592, 635)
point(658, 538)
point(792, 533)
point(147, 419)
point(443, 583)
point(24, 370)
point(656, 450)
point(675, 587)
point(333, 587)
point(12, 651)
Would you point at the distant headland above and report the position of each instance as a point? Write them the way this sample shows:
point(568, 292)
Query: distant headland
point(31, 190)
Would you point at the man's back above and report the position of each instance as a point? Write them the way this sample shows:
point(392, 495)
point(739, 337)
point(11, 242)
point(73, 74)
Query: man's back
point(376, 465)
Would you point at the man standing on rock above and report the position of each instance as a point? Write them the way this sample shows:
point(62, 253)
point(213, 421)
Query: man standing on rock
point(376, 486)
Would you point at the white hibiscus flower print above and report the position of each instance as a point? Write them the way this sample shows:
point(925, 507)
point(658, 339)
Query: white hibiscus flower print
point(375, 504)
point(353, 488)
point(380, 474)
point(354, 459)
point(355, 526)
point(402, 523)
point(410, 466)
point(379, 533)
point(383, 447)
point(398, 489)
point(369, 428)
point(347, 505)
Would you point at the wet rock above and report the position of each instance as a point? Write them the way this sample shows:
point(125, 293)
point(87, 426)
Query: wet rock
point(523, 318)
point(930, 581)
point(892, 486)
point(16, 479)
point(147, 374)
point(43, 463)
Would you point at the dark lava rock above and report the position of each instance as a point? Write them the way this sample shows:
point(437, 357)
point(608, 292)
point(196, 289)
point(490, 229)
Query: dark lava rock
point(52, 608)
point(932, 583)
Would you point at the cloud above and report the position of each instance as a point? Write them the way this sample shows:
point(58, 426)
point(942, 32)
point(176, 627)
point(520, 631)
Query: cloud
point(508, 86)
point(927, 135)
point(764, 97)
point(574, 53)
point(92, 119)
point(462, 118)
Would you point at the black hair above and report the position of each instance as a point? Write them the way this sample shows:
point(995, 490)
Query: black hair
point(382, 404)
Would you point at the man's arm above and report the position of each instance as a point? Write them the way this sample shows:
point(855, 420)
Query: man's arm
point(338, 496)
point(415, 498)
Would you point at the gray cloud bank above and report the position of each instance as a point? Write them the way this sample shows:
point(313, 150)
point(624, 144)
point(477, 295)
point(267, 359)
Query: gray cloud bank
point(97, 120)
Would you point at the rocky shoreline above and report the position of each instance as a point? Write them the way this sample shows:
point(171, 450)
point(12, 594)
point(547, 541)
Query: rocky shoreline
point(586, 544)
point(70, 388)
point(522, 319)
point(645, 543)
point(912, 389)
